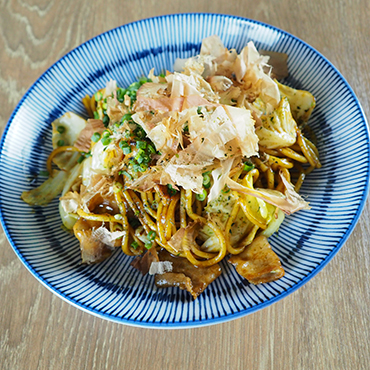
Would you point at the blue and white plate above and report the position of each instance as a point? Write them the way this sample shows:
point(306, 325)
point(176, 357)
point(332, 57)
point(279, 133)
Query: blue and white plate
point(113, 290)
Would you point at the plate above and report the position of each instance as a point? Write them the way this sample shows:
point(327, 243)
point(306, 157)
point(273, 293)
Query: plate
point(113, 290)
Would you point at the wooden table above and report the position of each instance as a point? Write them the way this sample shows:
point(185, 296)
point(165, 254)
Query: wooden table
point(324, 325)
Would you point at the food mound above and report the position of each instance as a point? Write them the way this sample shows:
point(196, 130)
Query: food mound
point(185, 168)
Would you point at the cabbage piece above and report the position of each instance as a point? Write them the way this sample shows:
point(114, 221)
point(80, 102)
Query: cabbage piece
point(278, 129)
point(219, 209)
point(274, 224)
point(258, 263)
point(257, 209)
point(47, 191)
point(301, 102)
point(66, 130)
point(105, 157)
point(239, 228)
point(66, 209)
point(68, 204)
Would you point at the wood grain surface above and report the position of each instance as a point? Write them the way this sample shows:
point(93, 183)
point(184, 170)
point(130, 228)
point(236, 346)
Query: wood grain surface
point(323, 325)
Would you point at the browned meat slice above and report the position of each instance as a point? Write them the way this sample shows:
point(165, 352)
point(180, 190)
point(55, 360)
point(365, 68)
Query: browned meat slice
point(142, 263)
point(92, 249)
point(185, 275)
point(83, 141)
point(258, 263)
point(169, 279)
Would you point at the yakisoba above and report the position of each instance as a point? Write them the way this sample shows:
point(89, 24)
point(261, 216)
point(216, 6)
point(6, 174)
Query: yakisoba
point(182, 169)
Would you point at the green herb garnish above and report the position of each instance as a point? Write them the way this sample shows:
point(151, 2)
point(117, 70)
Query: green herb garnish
point(61, 129)
point(95, 137)
point(170, 190)
point(151, 235)
point(201, 196)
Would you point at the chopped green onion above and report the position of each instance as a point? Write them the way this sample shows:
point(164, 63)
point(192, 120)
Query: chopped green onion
point(162, 75)
point(105, 106)
point(170, 190)
point(117, 187)
point(44, 173)
point(106, 141)
point(134, 244)
point(148, 245)
point(136, 167)
point(201, 196)
point(61, 129)
point(95, 137)
point(248, 166)
point(139, 154)
point(134, 86)
point(123, 144)
point(151, 235)
point(106, 133)
point(139, 168)
point(80, 158)
point(206, 180)
point(60, 142)
point(151, 149)
point(98, 96)
point(141, 144)
point(140, 133)
point(140, 159)
point(105, 120)
point(126, 150)
point(226, 189)
point(121, 95)
point(126, 174)
point(154, 205)
point(126, 117)
point(96, 115)
point(144, 80)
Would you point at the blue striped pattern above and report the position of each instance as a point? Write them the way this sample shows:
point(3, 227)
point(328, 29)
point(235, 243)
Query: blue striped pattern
point(112, 289)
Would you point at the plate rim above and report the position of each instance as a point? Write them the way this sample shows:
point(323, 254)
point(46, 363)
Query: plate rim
point(208, 321)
